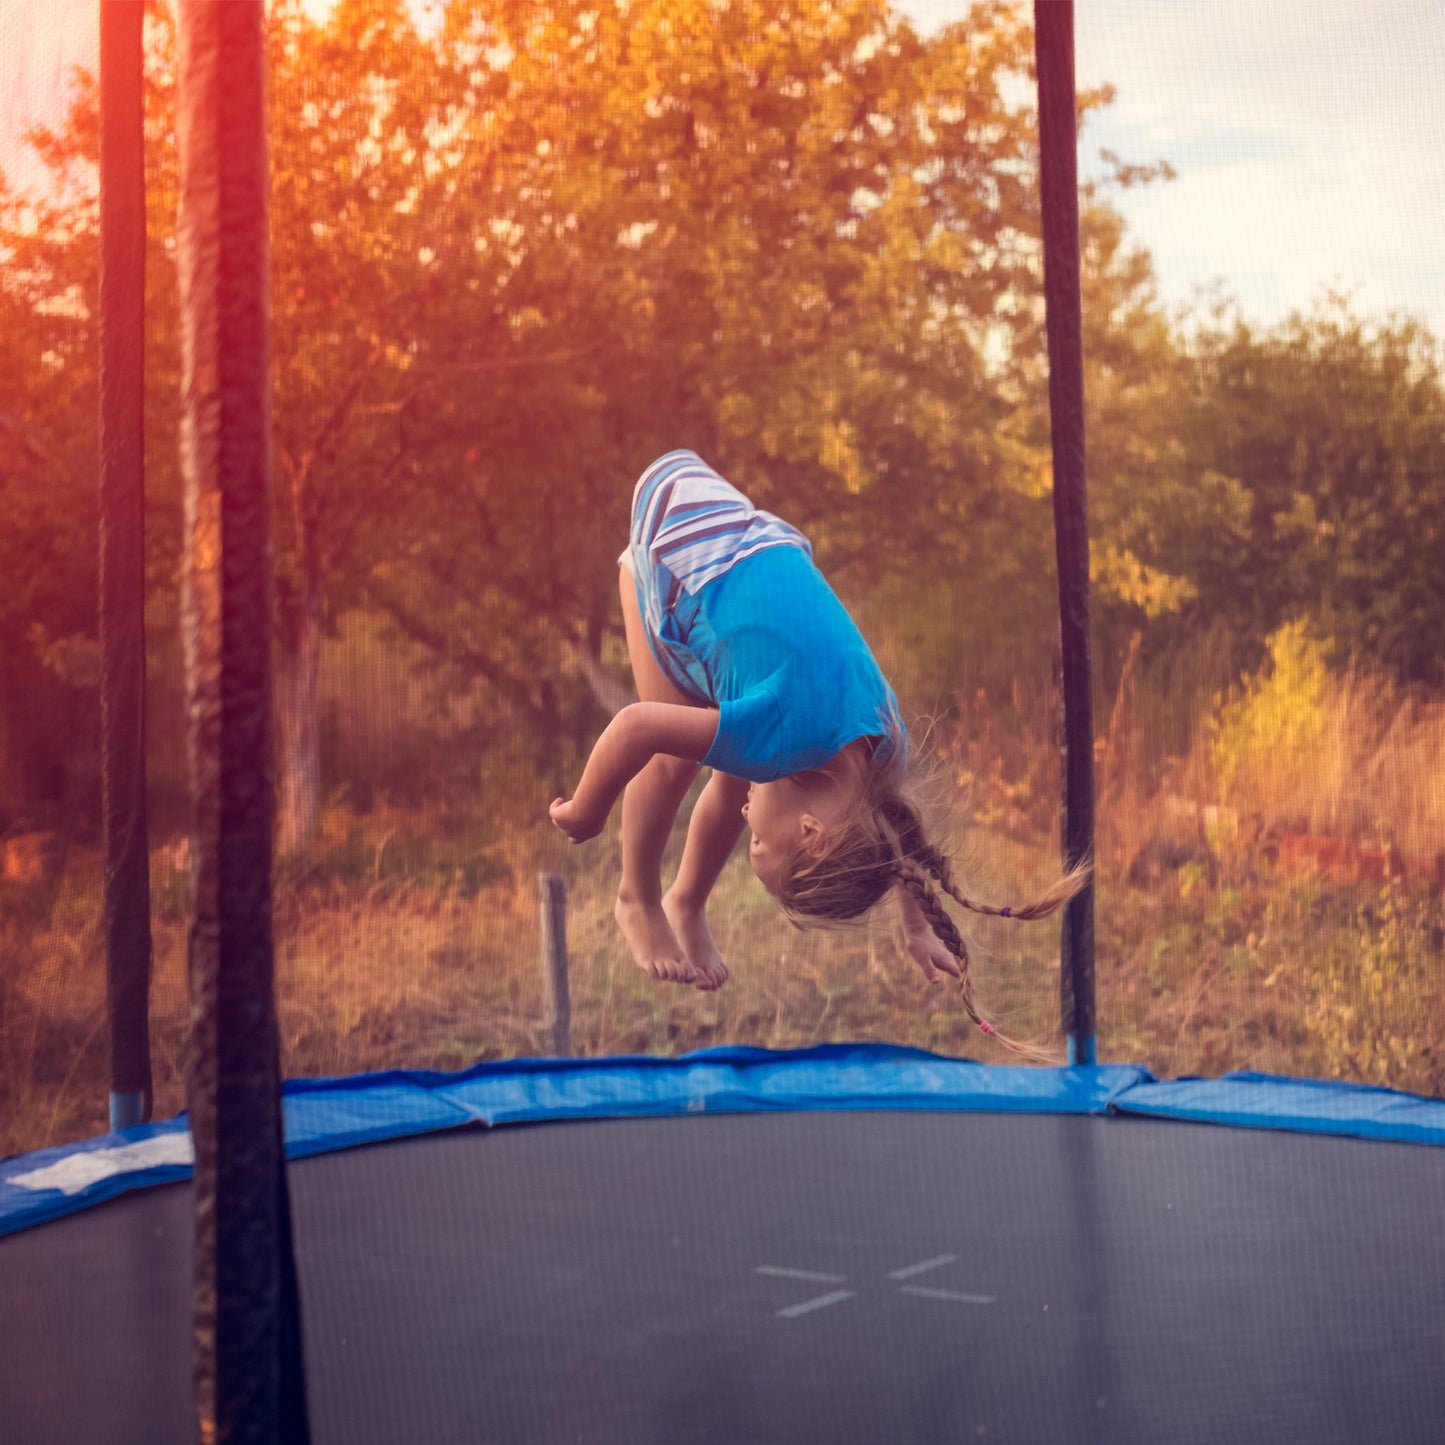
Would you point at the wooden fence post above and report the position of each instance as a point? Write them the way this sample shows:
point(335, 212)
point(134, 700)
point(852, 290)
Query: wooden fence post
point(558, 1017)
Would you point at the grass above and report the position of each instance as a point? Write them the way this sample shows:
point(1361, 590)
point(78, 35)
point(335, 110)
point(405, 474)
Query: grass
point(412, 940)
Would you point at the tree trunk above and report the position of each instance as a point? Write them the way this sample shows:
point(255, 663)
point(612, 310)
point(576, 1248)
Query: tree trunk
point(12, 764)
point(610, 693)
point(298, 734)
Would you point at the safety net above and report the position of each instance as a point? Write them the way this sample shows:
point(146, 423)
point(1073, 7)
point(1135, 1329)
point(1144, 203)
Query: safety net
point(512, 255)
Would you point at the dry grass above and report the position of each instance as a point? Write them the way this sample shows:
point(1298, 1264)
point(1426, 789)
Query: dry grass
point(391, 974)
point(1271, 899)
point(407, 941)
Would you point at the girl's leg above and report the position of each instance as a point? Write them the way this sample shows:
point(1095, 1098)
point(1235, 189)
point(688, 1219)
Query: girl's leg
point(712, 834)
point(649, 809)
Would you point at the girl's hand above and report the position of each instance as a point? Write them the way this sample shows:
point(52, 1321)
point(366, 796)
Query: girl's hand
point(923, 943)
point(930, 954)
point(565, 813)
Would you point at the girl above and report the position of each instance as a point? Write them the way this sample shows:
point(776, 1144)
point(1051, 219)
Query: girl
point(747, 663)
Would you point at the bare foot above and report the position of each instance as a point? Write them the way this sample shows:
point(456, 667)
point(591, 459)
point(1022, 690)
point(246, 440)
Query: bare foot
point(691, 928)
point(654, 945)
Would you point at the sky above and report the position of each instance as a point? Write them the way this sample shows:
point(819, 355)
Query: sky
point(1308, 137)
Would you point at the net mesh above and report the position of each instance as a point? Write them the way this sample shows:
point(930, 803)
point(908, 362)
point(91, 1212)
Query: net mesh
point(521, 249)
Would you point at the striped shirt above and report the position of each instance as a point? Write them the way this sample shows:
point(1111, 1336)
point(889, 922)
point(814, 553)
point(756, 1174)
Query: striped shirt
point(695, 525)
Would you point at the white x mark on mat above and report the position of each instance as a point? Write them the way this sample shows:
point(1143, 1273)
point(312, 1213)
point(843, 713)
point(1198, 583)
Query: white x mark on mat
point(837, 1296)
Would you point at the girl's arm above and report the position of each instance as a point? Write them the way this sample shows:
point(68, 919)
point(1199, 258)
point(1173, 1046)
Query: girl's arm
point(634, 735)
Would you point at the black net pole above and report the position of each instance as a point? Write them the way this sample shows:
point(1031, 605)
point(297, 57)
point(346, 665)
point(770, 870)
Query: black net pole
point(248, 1369)
point(122, 560)
point(1058, 170)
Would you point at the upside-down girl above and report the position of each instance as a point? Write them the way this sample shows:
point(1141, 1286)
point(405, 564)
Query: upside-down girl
point(746, 663)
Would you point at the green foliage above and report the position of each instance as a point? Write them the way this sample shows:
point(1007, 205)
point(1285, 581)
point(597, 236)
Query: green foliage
point(518, 253)
point(1325, 440)
point(1372, 995)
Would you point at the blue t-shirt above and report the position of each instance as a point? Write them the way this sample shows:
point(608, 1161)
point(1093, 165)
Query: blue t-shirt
point(792, 677)
point(737, 615)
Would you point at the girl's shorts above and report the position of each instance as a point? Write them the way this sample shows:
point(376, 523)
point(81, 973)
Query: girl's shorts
point(689, 527)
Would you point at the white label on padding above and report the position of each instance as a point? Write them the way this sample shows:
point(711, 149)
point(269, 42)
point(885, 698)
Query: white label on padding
point(79, 1171)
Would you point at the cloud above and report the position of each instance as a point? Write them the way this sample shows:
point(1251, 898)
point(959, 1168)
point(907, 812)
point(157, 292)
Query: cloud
point(1309, 142)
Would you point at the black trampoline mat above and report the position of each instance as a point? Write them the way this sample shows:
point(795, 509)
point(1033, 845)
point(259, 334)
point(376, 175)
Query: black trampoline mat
point(832, 1277)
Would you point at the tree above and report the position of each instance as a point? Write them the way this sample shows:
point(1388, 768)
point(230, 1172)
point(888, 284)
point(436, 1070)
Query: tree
point(784, 240)
point(48, 459)
point(522, 252)
point(1326, 435)
point(788, 240)
point(354, 135)
point(344, 227)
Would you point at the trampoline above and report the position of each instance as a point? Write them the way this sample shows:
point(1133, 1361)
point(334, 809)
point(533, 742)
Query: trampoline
point(853, 1243)
point(844, 1244)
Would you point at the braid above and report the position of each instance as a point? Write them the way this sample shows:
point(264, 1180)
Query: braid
point(1046, 903)
point(913, 845)
point(913, 879)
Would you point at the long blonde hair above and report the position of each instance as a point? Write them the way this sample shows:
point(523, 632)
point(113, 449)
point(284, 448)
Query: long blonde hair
point(881, 844)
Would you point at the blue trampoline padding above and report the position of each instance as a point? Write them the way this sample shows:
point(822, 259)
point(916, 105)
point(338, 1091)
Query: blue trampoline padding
point(324, 1114)
point(1311, 1106)
point(327, 1114)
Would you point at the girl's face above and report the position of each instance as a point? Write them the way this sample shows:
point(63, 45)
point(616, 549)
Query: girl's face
point(773, 813)
point(786, 815)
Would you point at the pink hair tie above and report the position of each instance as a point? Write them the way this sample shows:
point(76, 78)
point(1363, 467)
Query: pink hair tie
point(985, 1026)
